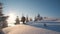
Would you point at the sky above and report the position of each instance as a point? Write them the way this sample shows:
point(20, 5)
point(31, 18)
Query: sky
point(46, 8)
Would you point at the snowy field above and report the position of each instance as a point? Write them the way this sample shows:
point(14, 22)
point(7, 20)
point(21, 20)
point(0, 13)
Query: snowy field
point(34, 28)
point(55, 26)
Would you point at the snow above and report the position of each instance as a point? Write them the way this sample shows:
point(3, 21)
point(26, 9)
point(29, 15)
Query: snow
point(42, 23)
point(27, 29)
point(32, 27)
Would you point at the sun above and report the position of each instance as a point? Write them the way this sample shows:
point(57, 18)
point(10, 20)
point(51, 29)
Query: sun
point(11, 19)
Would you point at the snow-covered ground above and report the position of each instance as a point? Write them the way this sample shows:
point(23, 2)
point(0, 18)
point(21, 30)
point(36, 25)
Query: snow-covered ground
point(34, 28)
point(26, 29)
point(50, 26)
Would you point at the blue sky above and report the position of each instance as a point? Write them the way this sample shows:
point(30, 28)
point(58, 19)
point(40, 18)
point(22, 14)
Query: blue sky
point(49, 8)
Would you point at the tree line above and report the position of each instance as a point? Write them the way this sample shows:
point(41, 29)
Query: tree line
point(26, 19)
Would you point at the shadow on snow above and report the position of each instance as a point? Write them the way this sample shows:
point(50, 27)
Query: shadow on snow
point(49, 27)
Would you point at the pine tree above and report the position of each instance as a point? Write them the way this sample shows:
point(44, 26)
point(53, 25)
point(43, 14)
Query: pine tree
point(27, 19)
point(30, 19)
point(38, 15)
point(35, 19)
point(23, 19)
point(17, 20)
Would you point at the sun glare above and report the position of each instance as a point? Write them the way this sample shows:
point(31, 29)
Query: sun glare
point(11, 18)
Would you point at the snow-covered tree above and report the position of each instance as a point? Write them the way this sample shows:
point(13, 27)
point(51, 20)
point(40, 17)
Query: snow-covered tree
point(17, 20)
point(38, 18)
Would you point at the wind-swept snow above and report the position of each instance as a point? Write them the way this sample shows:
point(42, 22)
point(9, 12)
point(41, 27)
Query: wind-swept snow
point(26, 29)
